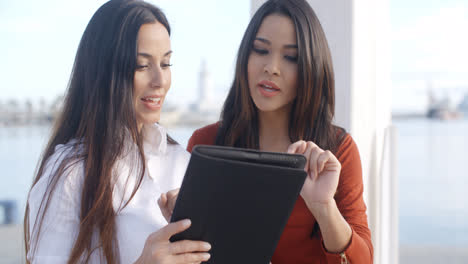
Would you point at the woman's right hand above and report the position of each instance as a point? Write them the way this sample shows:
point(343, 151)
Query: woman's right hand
point(167, 203)
point(159, 250)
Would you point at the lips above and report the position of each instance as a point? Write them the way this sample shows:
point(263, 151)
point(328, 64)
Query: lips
point(268, 89)
point(151, 99)
point(152, 102)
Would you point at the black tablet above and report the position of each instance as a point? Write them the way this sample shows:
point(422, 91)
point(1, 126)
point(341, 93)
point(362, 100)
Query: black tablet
point(239, 200)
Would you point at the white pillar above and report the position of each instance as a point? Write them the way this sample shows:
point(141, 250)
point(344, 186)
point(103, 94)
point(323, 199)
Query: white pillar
point(358, 35)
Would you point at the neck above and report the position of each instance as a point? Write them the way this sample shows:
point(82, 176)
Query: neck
point(273, 131)
point(139, 126)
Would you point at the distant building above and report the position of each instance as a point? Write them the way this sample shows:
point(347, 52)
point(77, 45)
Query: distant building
point(26, 112)
point(203, 111)
point(441, 108)
point(205, 100)
point(463, 106)
point(56, 106)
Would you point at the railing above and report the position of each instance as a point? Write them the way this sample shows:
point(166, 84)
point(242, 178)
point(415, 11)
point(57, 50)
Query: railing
point(386, 245)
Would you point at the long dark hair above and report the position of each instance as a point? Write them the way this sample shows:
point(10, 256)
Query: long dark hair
point(314, 107)
point(97, 117)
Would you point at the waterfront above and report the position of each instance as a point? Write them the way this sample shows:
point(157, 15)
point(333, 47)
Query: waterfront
point(432, 156)
point(20, 149)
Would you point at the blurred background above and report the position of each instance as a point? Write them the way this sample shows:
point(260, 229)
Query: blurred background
point(402, 92)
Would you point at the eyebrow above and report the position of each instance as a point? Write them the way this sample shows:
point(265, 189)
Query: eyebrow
point(266, 41)
point(147, 55)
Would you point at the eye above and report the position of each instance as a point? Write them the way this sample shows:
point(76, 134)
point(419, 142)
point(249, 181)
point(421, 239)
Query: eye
point(142, 66)
point(291, 58)
point(166, 65)
point(260, 51)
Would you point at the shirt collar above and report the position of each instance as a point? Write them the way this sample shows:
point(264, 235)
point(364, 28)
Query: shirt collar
point(154, 144)
point(154, 139)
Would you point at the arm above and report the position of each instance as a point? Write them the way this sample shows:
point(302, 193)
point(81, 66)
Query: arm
point(350, 202)
point(333, 194)
point(336, 232)
point(52, 243)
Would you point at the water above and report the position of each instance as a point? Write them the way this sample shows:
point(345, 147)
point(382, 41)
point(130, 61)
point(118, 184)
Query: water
point(20, 149)
point(432, 162)
point(433, 182)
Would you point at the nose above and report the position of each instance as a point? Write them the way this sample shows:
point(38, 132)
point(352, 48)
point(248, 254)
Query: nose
point(159, 79)
point(272, 66)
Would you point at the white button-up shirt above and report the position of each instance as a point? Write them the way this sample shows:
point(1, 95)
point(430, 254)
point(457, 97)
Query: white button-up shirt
point(166, 165)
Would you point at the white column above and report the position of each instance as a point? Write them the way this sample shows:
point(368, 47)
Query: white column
point(358, 36)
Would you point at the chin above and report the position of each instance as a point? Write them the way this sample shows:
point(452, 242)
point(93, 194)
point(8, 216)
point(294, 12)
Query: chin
point(273, 108)
point(266, 107)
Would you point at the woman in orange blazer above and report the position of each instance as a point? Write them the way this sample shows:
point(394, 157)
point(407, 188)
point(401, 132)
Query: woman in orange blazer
point(282, 100)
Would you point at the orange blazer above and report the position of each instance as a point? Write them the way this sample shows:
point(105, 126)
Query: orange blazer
point(299, 244)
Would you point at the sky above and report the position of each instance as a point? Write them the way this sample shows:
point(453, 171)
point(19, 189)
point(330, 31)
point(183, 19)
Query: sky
point(429, 49)
point(38, 42)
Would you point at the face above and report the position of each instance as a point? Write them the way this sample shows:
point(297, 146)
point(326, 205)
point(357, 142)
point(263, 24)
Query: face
point(153, 74)
point(272, 65)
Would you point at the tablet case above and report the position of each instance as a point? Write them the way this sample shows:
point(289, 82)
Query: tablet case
point(239, 200)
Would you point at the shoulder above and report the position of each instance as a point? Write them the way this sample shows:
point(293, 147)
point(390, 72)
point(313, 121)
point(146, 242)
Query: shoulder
point(63, 171)
point(347, 154)
point(345, 146)
point(347, 150)
point(203, 136)
point(351, 168)
point(208, 131)
point(66, 157)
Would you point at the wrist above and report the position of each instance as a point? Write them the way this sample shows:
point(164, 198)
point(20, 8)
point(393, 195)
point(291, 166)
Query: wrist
point(322, 209)
point(336, 232)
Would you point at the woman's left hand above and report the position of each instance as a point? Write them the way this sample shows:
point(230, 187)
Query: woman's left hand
point(323, 172)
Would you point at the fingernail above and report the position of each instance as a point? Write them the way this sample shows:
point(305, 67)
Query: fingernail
point(186, 222)
point(206, 246)
point(206, 256)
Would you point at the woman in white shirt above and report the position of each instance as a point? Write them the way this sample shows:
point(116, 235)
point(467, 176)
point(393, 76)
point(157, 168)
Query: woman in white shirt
point(94, 197)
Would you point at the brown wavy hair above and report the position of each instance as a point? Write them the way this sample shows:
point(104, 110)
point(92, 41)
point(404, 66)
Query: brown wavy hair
point(314, 107)
point(98, 115)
